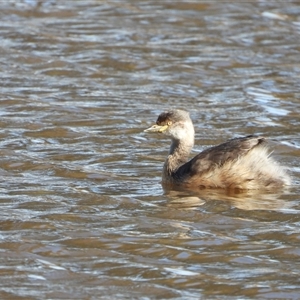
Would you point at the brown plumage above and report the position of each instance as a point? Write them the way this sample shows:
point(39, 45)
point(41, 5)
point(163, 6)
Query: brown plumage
point(240, 163)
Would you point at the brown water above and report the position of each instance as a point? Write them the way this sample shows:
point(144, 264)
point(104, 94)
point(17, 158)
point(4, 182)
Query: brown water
point(83, 214)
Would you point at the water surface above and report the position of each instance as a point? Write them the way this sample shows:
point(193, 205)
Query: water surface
point(83, 214)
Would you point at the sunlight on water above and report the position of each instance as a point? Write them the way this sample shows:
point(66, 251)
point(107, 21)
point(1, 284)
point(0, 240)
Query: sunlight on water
point(84, 215)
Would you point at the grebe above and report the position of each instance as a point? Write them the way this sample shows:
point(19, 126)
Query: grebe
point(240, 163)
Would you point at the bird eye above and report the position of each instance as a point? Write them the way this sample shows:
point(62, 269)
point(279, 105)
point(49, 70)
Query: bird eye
point(169, 123)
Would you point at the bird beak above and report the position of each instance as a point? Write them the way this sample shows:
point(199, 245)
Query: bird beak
point(156, 128)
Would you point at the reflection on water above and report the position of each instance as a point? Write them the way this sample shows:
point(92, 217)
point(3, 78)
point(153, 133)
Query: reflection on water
point(248, 200)
point(83, 213)
point(245, 200)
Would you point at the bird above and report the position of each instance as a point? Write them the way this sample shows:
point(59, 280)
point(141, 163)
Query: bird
point(242, 163)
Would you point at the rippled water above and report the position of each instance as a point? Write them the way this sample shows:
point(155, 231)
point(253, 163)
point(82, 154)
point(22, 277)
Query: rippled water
point(83, 214)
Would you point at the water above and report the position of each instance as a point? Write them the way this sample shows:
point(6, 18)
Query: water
point(83, 214)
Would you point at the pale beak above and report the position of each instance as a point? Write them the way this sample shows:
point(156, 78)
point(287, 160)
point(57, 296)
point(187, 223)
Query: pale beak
point(156, 128)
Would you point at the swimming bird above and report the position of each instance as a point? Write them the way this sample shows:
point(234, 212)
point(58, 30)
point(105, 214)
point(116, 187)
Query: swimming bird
point(242, 163)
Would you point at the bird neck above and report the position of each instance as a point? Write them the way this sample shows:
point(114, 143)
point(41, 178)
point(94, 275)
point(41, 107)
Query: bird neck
point(178, 155)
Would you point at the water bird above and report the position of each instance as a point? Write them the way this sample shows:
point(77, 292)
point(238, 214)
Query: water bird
point(242, 163)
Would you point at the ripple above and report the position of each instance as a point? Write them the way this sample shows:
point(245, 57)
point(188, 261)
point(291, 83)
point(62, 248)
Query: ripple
point(84, 214)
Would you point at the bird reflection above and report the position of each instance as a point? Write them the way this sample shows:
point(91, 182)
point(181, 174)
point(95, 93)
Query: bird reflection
point(181, 198)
